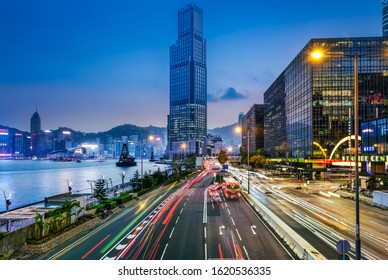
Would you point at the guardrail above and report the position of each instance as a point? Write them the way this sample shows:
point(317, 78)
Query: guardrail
point(298, 244)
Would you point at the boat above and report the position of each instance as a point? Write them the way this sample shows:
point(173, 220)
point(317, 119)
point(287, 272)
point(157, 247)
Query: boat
point(152, 158)
point(163, 161)
point(125, 158)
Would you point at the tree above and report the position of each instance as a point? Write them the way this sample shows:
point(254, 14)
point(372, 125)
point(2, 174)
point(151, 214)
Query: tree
point(223, 157)
point(136, 181)
point(100, 190)
point(258, 160)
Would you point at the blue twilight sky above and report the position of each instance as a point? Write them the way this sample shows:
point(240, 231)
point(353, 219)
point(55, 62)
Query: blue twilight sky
point(93, 65)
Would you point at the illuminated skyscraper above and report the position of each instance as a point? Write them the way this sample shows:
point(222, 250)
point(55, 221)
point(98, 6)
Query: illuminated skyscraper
point(35, 132)
point(187, 120)
point(385, 17)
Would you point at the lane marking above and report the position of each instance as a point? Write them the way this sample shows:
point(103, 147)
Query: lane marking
point(177, 219)
point(171, 232)
point(205, 251)
point(253, 227)
point(238, 234)
point(245, 250)
point(233, 221)
point(164, 251)
point(204, 232)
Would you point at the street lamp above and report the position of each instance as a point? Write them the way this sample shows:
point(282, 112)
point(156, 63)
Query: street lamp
point(122, 178)
point(319, 55)
point(249, 151)
point(238, 129)
point(7, 200)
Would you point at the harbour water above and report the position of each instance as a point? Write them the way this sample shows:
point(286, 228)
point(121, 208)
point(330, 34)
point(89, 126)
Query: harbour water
point(30, 181)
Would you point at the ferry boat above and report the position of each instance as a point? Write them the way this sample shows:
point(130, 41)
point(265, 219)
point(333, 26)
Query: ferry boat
point(125, 158)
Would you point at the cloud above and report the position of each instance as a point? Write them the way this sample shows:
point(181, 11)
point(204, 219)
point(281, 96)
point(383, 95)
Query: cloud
point(228, 94)
point(231, 93)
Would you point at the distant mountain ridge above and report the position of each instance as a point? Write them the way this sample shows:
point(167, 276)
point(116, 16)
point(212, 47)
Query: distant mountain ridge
point(226, 132)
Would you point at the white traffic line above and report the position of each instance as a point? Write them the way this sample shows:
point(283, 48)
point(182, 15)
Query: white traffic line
point(238, 234)
point(246, 253)
point(164, 251)
point(172, 232)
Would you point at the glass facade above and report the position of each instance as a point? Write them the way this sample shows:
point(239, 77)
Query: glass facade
point(375, 145)
point(254, 122)
point(307, 108)
point(374, 135)
point(187, 119)
point(385, 17)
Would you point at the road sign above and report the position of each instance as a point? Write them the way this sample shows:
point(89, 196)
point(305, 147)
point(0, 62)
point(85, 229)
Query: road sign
point(343, 246)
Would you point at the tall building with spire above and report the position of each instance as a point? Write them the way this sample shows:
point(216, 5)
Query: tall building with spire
point(35, 132)
point(385, 17)
point(187, 120)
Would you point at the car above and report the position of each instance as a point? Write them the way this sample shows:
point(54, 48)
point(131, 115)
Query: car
point(216, 197)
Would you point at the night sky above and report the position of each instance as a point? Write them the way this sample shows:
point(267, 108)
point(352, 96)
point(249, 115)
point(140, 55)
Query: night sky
point(93, 65)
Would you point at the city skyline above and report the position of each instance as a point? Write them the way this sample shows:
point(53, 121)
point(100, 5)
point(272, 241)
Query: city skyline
point(91, 67)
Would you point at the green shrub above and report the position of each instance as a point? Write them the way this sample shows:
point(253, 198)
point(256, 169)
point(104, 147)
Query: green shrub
point(100, 207)
point(5, 257)
point(111, 205)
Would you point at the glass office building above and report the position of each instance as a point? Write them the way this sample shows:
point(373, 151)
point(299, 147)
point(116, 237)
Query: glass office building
point(307, 108)
point(375, 145)
point(384, 3)
point(187, 120)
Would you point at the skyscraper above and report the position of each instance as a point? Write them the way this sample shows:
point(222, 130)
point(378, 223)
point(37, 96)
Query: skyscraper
point(385, 17)
point(35, 132)
point(187, 120)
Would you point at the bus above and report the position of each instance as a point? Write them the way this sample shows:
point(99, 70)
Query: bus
point(231, 188)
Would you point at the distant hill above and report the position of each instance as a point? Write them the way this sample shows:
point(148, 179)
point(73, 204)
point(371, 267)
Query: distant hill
point(116, 132)
point(130, 129)
point(226, 132)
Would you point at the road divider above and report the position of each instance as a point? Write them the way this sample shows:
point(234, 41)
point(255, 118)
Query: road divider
point(297, 243)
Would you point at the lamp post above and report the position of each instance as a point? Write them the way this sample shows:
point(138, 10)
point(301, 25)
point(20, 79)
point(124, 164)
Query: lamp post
point(7, 200)
point(122, 178)
point(141, 161)
point(249, 151)
point(318, 55)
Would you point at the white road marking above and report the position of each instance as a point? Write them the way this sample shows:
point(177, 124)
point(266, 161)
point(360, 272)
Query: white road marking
point(238, 234)
point(164, 251)
point(245, 250)
point(252, 227)
point(171, 232)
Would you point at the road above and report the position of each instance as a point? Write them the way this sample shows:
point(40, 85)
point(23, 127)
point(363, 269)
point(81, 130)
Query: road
point(322, 218)
point(179, 223)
